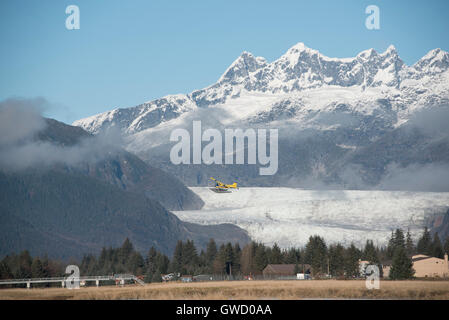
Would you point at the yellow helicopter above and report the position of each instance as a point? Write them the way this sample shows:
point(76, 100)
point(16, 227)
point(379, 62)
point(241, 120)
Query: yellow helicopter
point(221, 187)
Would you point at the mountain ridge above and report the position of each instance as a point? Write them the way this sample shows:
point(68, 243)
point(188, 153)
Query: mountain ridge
point(121, 168)
point(299, 69)
point(326, 109)
point(67, 203)
point(67, 215)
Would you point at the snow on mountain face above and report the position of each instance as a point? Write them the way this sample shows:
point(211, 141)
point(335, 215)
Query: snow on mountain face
point(146, 115)
point(242, 67)
point(290, 216)
point(301, 81)
point(434, 62)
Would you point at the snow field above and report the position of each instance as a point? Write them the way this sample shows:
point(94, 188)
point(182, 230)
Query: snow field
point(290, 216)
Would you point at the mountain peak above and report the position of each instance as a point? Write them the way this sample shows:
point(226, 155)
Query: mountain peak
point(435, 53)
point(300, 68)
point(293, 55)
point(391, 49)
point(300, 47)
point(367, 53)
point(242, 66)
point(246, 54)
point(435, 60)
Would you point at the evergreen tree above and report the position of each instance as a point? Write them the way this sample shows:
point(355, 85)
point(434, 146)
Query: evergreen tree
point(402, 265)
point(425, 243)
point(156, 264)
point(102, 261)
point(446, 245)
point(150, 262)
point(88, 265)
point(219, 265)
point(292, 256)
point(211, 252)
point(260, 258)
point(437, 248)
point(135, 264)
point(125, 252)
point(45, 266)
point(391, 246)
point(275, 255)
point(37, 271)
point(247, 259)
point(399, 239)
point(162, 263)
point(177, 260)
point(370, 253)
point(151, 255)
point(112, 261)
point(229, 259)
point(352, 256)
point(157, 277)
point(337, 260)
point(409, 246)
point(190, 257)
point(316, 255)
point(24, 265)
point(236, 261)
point(5, 271)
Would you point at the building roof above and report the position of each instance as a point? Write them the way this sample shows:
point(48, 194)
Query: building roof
point(284, 268)
point(424, 257)
point(415, 258)
point(420, 257)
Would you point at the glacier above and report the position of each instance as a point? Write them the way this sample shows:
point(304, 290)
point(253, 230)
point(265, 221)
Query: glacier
point(289, 216)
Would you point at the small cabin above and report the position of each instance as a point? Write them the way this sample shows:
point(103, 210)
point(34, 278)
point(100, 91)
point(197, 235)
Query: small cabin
point(273, 271)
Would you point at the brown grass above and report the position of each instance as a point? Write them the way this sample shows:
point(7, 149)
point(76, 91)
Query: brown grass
point(290, 290)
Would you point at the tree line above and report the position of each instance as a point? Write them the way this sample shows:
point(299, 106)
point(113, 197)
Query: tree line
point(228, 259)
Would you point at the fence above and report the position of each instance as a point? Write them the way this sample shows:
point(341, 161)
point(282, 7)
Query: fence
point(117, 278)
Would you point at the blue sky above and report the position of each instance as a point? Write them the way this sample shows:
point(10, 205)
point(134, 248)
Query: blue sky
point(129, 52)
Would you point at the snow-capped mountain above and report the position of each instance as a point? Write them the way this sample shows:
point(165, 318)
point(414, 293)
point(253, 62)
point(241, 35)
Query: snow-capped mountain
point(339, 119)
point(299, 78)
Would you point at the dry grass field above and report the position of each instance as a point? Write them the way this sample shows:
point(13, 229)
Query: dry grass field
point(290, 290)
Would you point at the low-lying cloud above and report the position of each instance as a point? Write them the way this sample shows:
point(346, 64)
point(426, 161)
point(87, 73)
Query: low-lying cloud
point(21, 121)
point(427, 177)
point(432, 121)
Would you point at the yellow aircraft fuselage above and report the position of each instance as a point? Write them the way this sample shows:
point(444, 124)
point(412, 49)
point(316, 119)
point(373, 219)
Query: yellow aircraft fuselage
point(224, 185)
